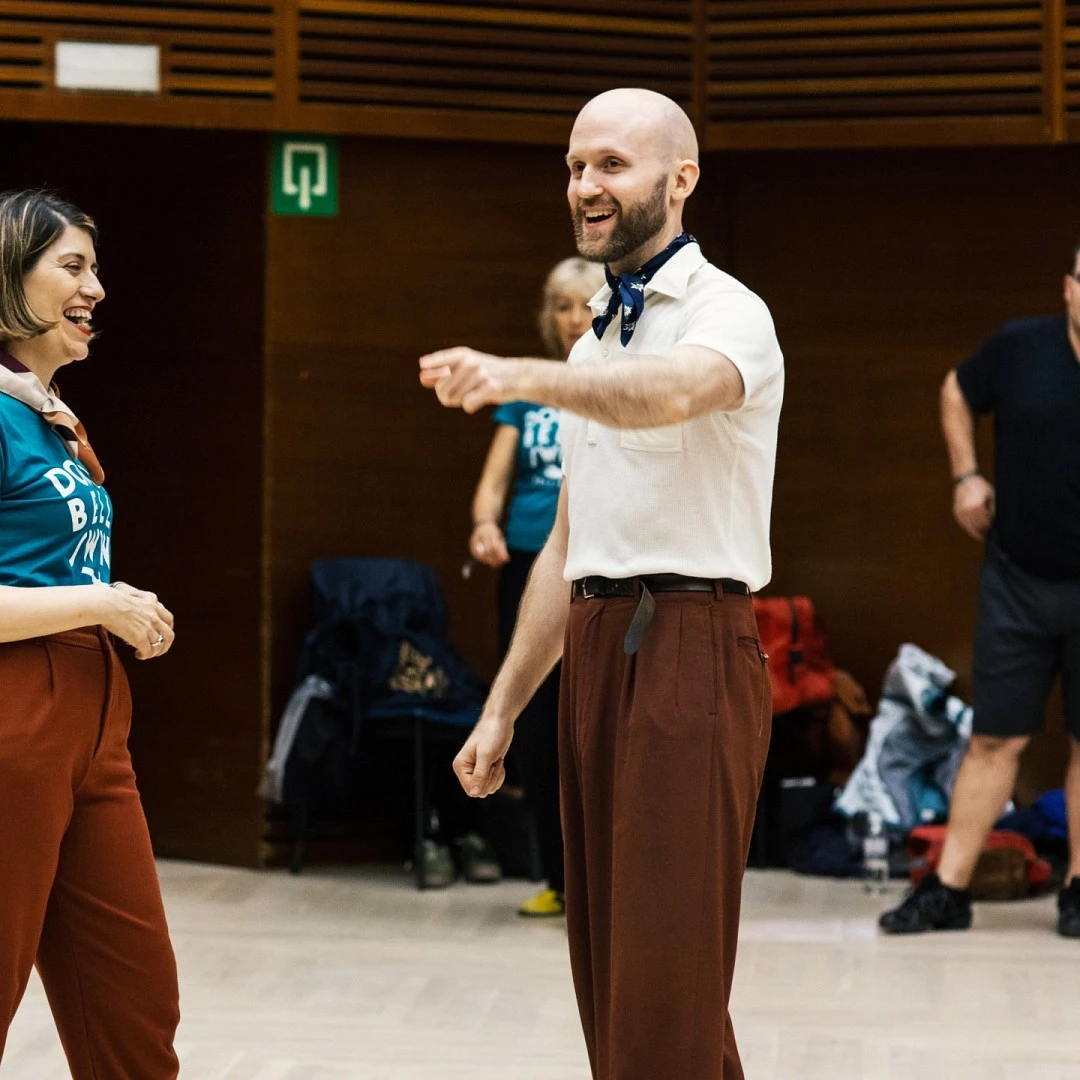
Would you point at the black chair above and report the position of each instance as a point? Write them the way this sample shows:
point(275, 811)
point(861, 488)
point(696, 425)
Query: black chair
point(379, 637)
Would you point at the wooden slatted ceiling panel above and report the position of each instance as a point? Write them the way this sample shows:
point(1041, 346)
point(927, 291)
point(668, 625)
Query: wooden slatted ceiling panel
point(209, 49)
point(541, 58)
point(1072, 60)
point(872, 60)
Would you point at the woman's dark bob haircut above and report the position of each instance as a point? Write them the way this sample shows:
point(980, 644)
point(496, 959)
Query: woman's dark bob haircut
point(29, 222)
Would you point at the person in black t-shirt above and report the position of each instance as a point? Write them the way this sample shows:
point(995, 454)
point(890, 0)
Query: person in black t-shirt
point(1028, 627)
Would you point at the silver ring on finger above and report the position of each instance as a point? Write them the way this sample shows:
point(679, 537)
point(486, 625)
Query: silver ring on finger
point(156, 644)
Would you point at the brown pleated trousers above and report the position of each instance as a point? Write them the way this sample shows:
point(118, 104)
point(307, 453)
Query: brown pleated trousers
point(662, 757)
point(79, 894)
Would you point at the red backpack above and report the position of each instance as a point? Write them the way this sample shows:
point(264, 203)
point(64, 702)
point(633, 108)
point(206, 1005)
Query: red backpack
point(800, 668)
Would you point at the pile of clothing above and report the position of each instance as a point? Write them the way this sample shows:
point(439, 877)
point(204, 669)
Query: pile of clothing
point(913, 752)
point(916, 743)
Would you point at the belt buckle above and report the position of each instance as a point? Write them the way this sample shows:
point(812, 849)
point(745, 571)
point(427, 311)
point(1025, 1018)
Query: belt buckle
point(585, 593)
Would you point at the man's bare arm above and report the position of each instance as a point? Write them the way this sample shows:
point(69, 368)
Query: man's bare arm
point(534, 650)
point(641, 392)
point(537, 642)
point(958, 427)
point(973, 497)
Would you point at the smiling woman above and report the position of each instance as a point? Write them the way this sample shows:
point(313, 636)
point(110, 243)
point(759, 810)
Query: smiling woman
point(49, 244)
point(79, 897)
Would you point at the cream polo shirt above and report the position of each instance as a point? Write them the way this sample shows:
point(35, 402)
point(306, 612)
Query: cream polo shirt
point(691, 498)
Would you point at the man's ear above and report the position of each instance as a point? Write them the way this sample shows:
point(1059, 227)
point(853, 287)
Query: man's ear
point(685, 180)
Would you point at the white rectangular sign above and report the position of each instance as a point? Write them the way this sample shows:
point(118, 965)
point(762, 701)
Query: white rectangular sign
point(92, 65)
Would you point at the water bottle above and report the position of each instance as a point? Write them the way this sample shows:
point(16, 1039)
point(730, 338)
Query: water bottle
point(875, 848)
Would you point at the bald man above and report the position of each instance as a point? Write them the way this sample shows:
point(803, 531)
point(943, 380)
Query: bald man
point(643, 588)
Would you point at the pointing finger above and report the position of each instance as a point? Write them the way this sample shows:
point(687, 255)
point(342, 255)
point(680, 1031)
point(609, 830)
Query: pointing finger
point(441, 358)
point(432, 376)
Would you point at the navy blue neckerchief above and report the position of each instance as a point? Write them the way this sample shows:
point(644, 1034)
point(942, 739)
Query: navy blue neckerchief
point(628, 291)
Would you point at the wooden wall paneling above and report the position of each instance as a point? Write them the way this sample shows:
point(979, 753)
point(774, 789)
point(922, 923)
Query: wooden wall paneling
point(170, 396)
point(436, 244)
point(792, 73)
point(1054, 69)
point(884, 269)
point(287, 66)
point(218, 60)
point(491, 70)
point(752, 73)
point(1071, 67)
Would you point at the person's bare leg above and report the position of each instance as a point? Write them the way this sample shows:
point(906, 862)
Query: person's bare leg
point(983, 787)
point(1072, 809)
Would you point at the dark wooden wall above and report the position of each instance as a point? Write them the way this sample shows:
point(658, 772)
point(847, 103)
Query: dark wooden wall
point(436, 245)
point(883, 270)
point(171, 398)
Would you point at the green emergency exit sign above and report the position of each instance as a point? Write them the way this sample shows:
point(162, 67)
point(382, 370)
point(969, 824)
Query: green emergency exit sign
point(304, 175)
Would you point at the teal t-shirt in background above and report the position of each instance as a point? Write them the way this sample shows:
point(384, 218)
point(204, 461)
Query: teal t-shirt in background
point(538, 474)
point(55, 522)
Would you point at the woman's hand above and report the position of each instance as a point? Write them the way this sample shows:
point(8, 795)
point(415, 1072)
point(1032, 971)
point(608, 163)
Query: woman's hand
point(140, 619)
point(487, 544)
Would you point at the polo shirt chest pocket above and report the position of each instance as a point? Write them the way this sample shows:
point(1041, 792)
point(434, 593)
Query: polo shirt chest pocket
point(667, 439)
point(656, 440)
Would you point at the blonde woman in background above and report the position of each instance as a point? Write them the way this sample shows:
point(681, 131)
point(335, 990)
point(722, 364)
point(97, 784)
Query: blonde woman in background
point(513, 511)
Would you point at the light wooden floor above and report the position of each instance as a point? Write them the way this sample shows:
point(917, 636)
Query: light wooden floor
point(353, 975)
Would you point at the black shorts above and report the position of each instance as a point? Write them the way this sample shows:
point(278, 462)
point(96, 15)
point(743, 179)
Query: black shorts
point(1028, 632)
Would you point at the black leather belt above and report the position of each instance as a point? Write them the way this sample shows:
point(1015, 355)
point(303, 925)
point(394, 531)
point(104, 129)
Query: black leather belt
point(647, 584)
point(589, 587)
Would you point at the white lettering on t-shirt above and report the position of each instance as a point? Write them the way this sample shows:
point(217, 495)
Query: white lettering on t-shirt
point(540, 439)
point(91, 517)
point(78, 514)
point(78, 473)
point(62, 481)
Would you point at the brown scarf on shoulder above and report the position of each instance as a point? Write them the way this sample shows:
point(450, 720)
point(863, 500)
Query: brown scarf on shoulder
point(19, 382)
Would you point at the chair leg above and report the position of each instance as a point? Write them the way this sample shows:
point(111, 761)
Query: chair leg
point(418, 800)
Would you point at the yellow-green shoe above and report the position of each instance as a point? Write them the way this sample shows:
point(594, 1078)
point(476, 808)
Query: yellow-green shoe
point(548, 904)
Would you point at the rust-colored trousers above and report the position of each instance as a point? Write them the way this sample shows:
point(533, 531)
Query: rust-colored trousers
point(662, 757)
point(79, 894)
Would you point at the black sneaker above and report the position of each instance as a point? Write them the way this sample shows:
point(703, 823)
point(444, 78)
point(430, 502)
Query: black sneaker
point(931, 906)
point(1069, 909)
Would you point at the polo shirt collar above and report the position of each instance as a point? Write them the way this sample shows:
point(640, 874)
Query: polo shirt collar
point(672, 279)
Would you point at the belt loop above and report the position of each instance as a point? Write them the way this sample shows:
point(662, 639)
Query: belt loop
point(718, 589)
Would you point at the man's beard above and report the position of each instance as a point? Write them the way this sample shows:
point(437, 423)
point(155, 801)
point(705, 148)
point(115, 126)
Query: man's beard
point(634, 228)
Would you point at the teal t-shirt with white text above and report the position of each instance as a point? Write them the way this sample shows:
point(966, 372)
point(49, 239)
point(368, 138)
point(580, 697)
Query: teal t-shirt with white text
point(537, 475)
point(55, 522)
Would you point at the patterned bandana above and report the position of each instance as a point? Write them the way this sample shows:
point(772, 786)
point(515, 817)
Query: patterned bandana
point(19, 382)
point(628, 291)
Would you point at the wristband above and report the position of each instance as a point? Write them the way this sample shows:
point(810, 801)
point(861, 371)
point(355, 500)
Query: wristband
point(958, 480)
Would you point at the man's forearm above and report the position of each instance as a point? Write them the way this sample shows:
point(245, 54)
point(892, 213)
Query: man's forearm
point(538, 636)
point(958, 427)
point(644, 392)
